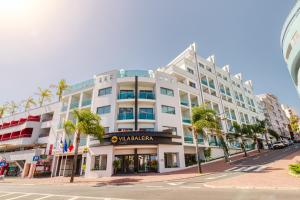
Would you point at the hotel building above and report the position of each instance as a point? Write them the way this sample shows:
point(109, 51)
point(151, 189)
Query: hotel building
point(290, 43)
point(147, 117)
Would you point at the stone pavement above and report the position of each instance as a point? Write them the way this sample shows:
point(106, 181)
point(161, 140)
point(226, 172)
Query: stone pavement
point(275, 175)
point(210, 167)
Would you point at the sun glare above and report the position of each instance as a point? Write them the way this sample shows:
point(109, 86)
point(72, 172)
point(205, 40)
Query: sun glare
point(11, 8)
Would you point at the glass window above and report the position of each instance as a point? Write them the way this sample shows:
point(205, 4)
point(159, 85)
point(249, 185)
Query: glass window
point(190, 70)
point(171, 160)
point(100, 162)
point(192, 84)
point(166, 91)
point(168, 109)
point(105, 91)
point(147, 129)
point(103, 110)
point(170, 129)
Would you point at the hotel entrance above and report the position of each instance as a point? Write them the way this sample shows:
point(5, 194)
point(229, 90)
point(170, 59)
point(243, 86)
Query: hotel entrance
point(136, 163)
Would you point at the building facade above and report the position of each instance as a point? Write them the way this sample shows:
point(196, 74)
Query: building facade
point(290, 43)
point(289, 112)
point(147, 118)
point(147, 115)
point(274, 114)
point(28, 135)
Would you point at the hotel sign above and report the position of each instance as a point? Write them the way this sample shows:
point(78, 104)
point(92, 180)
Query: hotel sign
point(139, 137)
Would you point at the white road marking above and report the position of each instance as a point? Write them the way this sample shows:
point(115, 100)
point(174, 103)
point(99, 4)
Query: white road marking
point(228, 170)
point(239, 169)
point(216, 177)
point(176, 183)
point(43, 197)
point(154, 186)
point(73, 198)
point(8, 193)
point(260, 168)
point(189, 187)
point(249, 168)
point(24, 195)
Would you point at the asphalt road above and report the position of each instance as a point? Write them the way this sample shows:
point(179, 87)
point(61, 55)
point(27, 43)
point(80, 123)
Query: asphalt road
point(192, 188)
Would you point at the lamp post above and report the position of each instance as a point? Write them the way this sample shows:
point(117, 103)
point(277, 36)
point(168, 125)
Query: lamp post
point(197, 152)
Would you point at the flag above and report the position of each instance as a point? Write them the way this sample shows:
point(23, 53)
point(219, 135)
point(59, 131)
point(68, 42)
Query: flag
point(65, 146)
point(71, 146)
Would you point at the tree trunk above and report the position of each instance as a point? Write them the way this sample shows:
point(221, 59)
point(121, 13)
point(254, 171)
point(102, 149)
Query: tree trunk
point(257, 143)
point(77, 139)
point(197, 152)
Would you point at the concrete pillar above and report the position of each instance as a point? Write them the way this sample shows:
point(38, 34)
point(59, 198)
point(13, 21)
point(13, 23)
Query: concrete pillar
point(32, 170)
point(26, 170)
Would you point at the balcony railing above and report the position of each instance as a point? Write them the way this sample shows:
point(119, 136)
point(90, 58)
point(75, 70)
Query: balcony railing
point(148, 116)
point(186, 120)
point(74, 105)
point(188, 139)
point(86, 102)
point(126, 95)
point(125, 116)
point(184, 102)
point(146, 95)
point(64, 108)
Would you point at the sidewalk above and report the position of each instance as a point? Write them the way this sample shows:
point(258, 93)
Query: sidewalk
point(211, 167)
point(274, 176)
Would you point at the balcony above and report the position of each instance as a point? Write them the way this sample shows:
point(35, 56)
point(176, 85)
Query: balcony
point(204, 82)
point(186, 120)
point(147, 116)
point(86, 102)
point(188, 139)
point(64, 108)
point(125, 116)
point(74, 105)
point(146, 95)
point(126, 95)
point(184, 102)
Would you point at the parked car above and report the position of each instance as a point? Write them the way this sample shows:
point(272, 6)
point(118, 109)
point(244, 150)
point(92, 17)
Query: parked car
point(278, 145)
point(285, 142)
point(290, 142)
point(297, 140)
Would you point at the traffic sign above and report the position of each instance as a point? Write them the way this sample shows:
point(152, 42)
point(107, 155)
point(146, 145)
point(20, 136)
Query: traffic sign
point(36, 158)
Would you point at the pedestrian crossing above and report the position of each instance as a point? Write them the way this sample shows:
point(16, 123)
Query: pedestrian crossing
point(41, 196)
point(253, 168)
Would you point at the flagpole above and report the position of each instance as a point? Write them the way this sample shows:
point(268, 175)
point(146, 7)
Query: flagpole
point(65, 164)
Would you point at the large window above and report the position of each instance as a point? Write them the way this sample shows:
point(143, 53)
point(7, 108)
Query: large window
point(100, 162)
point(166, 91)
point(105, 91)
point(103, 110)
point(171, 160)
point(173, 130)
point(168, 109)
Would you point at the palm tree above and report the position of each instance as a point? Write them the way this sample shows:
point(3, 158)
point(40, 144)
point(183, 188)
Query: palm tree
point(28, 103)
point(240, 133)
point(60, 88)
point(12, 107)
point(44, 95)
point(3, 110)
point(88, 123)
point(204, 119)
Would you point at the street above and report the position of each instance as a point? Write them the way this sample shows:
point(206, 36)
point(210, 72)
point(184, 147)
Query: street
point(191, 188)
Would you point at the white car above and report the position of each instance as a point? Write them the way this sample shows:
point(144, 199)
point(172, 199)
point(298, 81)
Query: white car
point(278, 145)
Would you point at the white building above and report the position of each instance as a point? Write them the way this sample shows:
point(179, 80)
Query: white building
point(26, 135)
point(147, 115)
point(274, 114)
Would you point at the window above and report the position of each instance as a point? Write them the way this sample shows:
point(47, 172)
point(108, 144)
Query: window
point(168, 109)
point(105, 91)
point(147, 129)
point(106, 129)
point(173, 130)
point(103, 110)
point(166, 91)
point(125, 129)
point(190, 70)
point(201, 65)
point(233, 117)
point(211, 83)
point(192, 84)
point(100, 162)
point(171, 160)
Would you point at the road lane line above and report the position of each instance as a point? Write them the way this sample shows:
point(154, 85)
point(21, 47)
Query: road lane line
point(239, 169)
point(24, 195)
point(216, 177)
point(228, 170)
point(176, 183)
point(190, 187)
point(45, 197)
point(154, 186)
point(9, 193)
point(260, 168)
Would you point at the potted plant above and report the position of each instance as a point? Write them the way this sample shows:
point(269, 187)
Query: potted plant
point(154, 165)
point(116, 165)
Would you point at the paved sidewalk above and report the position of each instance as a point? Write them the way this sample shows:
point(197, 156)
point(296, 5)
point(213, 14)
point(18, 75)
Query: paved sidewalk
point(211, 167)
point(274, 176)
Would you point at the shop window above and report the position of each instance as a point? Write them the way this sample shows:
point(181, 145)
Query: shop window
point(100, 162)
point(171, 160)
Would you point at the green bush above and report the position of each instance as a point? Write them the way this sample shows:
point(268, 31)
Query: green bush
point(295, 168)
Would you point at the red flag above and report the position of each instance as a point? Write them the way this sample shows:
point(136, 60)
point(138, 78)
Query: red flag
point(71, 147)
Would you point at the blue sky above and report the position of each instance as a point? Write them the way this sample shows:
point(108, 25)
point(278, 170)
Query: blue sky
point(44, 41)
